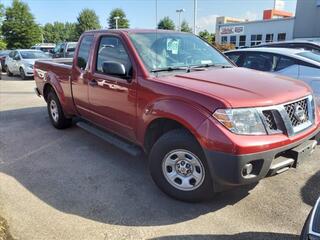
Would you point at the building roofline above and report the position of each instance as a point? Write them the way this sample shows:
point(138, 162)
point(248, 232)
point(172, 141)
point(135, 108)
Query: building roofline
point(256, 21)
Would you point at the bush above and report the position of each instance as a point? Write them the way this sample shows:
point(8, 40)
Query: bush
point(224, 47)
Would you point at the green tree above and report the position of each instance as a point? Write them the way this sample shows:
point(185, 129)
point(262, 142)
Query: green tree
point(59, 32)
point(87, 20)
point(3, 44)
point(71, 32)
point(53, 33)
point(123, 22)
point(209, 37)
point(19, 27)
point(185, 27)
point(166, 23)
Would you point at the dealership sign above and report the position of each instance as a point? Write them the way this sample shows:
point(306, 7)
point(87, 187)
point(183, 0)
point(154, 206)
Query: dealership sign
point(228, 30)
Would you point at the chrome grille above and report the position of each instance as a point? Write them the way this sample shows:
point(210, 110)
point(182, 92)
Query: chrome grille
point(291, 111)
point(270, 120)
point(290, 118)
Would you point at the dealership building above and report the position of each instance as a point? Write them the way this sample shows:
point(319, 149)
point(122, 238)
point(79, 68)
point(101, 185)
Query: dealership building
point(276, 25)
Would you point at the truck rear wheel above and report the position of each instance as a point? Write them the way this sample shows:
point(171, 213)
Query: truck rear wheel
point(179, 168)
point(55, 112)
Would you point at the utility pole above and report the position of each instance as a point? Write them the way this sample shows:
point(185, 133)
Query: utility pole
point(179, 11)
point(195, 10)
point(116, 18)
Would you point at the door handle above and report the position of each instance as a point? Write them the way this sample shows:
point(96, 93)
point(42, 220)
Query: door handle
point(93, 83)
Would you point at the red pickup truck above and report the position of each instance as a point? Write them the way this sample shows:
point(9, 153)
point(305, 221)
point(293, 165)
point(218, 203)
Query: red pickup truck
point(205, 124)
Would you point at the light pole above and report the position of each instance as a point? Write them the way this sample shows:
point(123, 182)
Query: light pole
point(116, 18)
point(195, 10)
point(179, 11)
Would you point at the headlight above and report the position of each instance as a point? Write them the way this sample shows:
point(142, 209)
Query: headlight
point(30, 66)
point(245, 121)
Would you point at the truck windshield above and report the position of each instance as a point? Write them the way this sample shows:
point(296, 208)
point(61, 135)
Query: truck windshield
point(33, 54)
point(173, 51)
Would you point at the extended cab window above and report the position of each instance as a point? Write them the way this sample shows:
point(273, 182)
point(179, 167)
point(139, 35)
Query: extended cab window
point(84, 50)
point(111, 49)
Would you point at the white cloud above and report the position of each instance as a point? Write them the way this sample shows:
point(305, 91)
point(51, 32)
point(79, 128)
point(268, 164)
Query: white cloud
point(207, 22)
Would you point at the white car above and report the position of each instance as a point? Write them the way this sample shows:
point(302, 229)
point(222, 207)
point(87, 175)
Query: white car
point(297, 63)
point(21, 62)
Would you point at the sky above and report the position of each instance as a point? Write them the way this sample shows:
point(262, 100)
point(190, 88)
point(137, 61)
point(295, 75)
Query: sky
point(142, 13)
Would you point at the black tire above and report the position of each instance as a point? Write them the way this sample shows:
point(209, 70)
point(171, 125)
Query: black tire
point(22, 74)
point(179, 139)
point(60, 121)
point(8, 72)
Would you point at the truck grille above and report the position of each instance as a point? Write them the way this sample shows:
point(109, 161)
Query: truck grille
point(291, 110)
point(290, 118)
point(270, 120)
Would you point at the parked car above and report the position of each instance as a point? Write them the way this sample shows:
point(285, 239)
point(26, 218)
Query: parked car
point(296, 44)
point(44, 47)
point(296, 63)
point(64, 50)
point(205, 124)
point(311, 229)
point(3, 55)
point(21, 62)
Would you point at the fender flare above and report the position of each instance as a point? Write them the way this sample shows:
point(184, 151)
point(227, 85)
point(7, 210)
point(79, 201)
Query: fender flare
point(188, 115)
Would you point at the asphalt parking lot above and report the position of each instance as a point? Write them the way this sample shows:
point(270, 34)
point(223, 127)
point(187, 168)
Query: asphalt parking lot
point(68, 184)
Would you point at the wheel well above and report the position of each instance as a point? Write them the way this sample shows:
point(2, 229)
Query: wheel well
point(47, 88)
point(157, 128)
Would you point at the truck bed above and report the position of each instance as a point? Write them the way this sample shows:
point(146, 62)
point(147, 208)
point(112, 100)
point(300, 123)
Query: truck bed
point(59, 69)
point(60, 61)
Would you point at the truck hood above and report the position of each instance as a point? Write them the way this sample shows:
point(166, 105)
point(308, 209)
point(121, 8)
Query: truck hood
point(240, 87)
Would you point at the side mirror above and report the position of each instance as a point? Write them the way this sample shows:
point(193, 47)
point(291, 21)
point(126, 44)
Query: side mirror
point(17, 58)
point(114, 68)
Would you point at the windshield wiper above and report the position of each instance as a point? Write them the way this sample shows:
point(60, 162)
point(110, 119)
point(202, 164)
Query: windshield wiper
point(189, 68)
point(210, 65)
point(168, 69)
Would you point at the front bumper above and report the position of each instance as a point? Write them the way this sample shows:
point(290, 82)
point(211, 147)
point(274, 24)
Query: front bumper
point(227, 169)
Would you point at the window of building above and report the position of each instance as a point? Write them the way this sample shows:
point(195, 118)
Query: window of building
point(84, 51)
point(269, 38)
point(233, 40)
point(242, 41)
point(256, 39)
point(281, 37)
point(224, 40)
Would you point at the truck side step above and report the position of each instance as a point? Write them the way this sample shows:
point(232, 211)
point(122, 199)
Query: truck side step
point(111, 138)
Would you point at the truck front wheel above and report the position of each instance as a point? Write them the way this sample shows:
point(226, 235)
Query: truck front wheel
point(178, 166)
point(55, 112)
